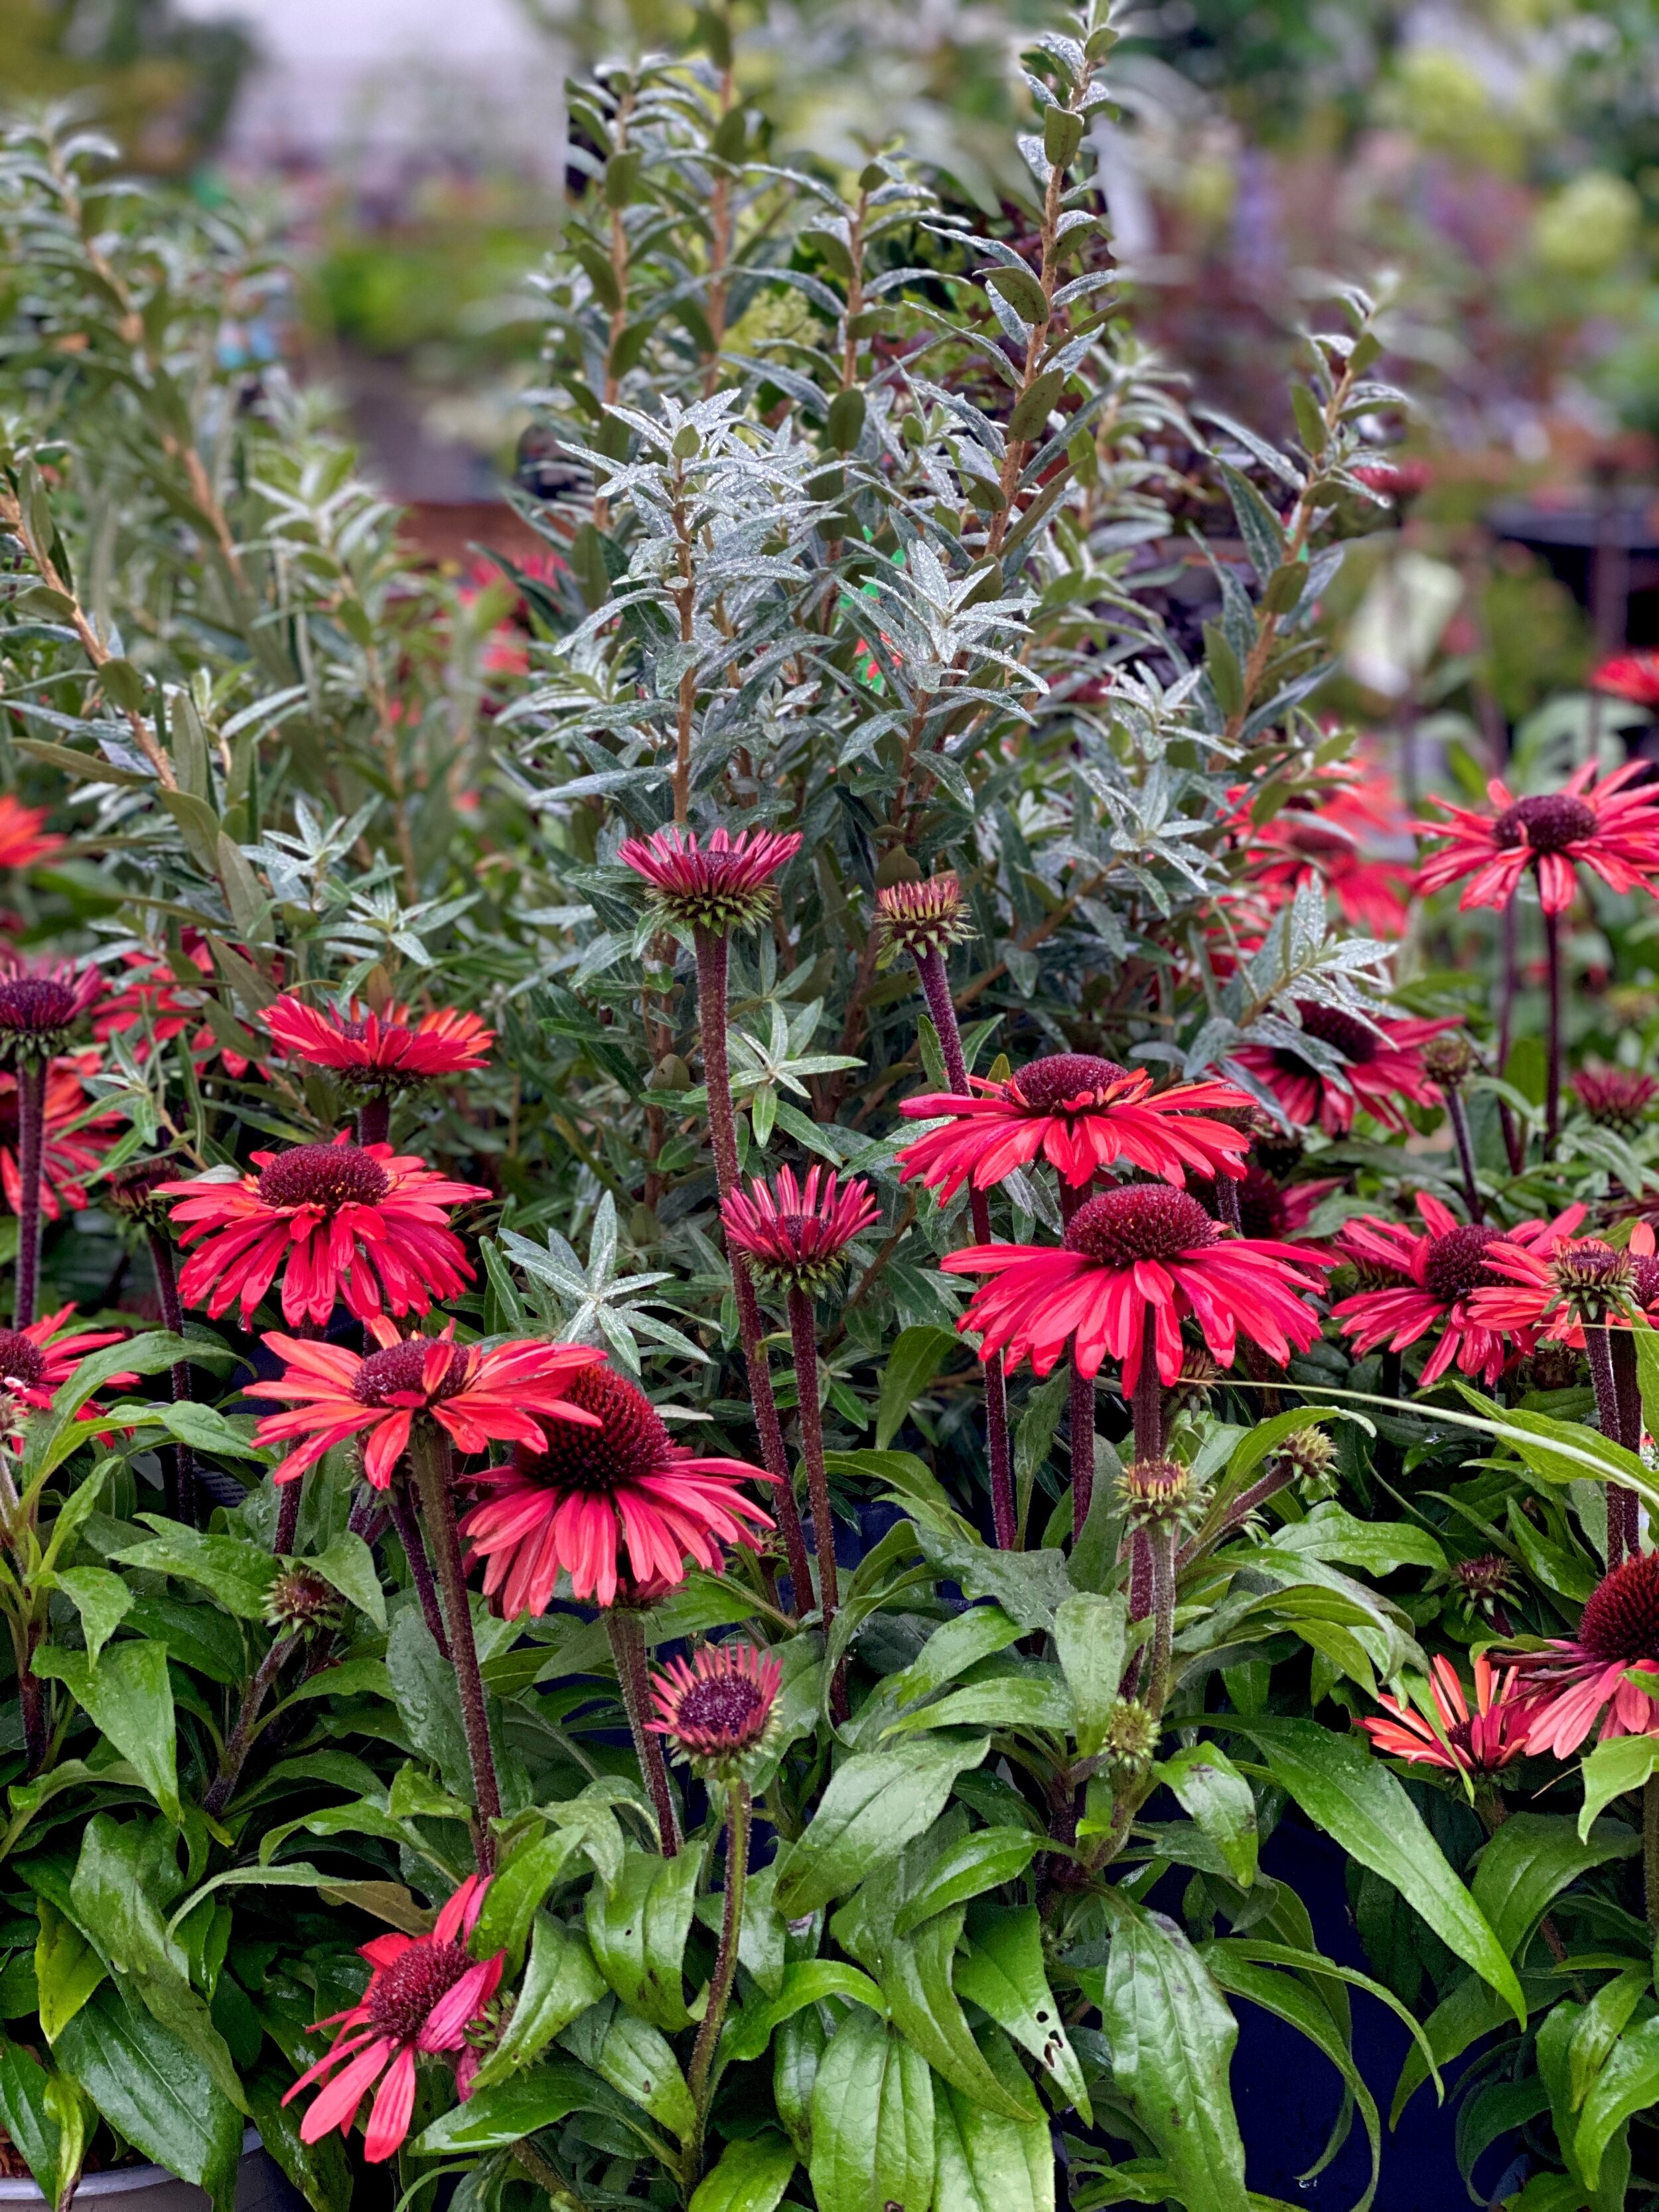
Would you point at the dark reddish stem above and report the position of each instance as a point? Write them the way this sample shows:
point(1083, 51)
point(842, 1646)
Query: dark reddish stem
point(288, 1517)
point(1624, 1507)
point(633, 1676)
point(31, 1129)
point(429, 1458)
point(406, 1522)
point(1457, 1115)
point(726, 1959)
point(374, 1119)
point(936, 989)
point(723, 1135)
point(178, 1462)
point(1514, 1142)
point(234, 1757)
point(1147, 1400)
point(804, 1338)
point(1080, 1396)
point(1552, 1077)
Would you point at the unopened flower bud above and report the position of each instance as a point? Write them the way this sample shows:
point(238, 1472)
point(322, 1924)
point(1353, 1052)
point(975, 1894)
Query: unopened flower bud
point(1484, 1582)
point(1131, 1735)
point(301, 1603)
point(1156, 1490)
point(1312, 1456)
point(921, 917)
point(1593, 1278)
point(1449, 1060)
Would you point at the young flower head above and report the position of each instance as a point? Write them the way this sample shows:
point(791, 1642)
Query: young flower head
point(300, 1603)
point(1609, 824)
point(1480, 1742)
point(920, 918)
point(1554, 1285)
point(356, 1222)
point(1484, 1582)
point(1576, 1678)
point(614, 1499)
point(40, 1004)
point(1632, 676)
point(1311, 1456)
point(1380, 1064)
point(1397, 480)
point(23, 840)
point(1425, 1280)
point(37, 1361)
point(716, 1713)
point(424, 1993)
point(1138, 1251)
point(381, 1052)
point(1156, 1490)
point(796, 1234)
point(478, 1396)
point(723, 885)
point(69, 1153)
point(1079, 1114)
point(1618, 1098)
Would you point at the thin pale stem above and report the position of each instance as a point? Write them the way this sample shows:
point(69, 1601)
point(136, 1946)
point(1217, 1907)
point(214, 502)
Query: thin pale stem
point(406, 1522)
point(178, 1461)
point(30, 1130)
point(622, 1624)
point(374, 1119)
point(1553, 1075)
point(723, 1136)
point(428, 1456)
point(936, 989)
point(804, 1338)
point(738, 1813)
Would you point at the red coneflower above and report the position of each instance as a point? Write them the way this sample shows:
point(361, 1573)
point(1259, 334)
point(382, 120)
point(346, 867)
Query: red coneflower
point(717, 1711)
point(387, 1051)
point(423, 1995)
point(1438, 1267)
point(1138, 1249)
point(500, 1395)
point(796, 1234)
point(1609, 824)
point(23, 840)
point(1381, 1064)
point(1633, 675)
point(1575, 1677)
point(1329, 835)
point(723, 885)
point(1552, 1283)
point(339, 1220)
point(1400, 480)
point(41, 1003)
point(597, 1493)
point(70, 1154)
point(1619, 1098)
point(1081, 1114)
point(1476, 1743)
point(37, 1361)
point(153, 1003)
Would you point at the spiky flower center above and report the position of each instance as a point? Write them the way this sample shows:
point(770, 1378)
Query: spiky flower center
point(132, 1190)
point(1156, 1490)
point(36, 1006)
point(1484, 1578)
point(396, 1372)
point(1617, 1098)
point(1455, 1263)
point(1348, 1034)
point(723, 1710)
point(1621, 1621)
point(1449, 1059)
point(23, 1363)
point(923, 916)
point(1140, 1221)
point(1046, 1085)
point(1310, 1451)
point(630, 1444)
point(1131, 1734)
point(300, 1600)
point(1644, 1280)
point(1547, 824)
point(402, 1995)
point(328, 1176)
point(1591, 1276)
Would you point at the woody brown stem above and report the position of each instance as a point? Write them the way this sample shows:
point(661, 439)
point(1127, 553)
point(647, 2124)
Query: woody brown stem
point(622, 1624)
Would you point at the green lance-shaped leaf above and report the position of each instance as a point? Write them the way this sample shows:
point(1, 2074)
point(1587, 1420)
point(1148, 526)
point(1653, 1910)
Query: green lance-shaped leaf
point(154, 2090)
point(32, 2111)
point(560, 1983)
point(235, 1571)
point(1002, 1973)
point(982, 1861)
point(1090, 1635)
point(1531, 1860)
point(984, 2162)
point(637, 1927)
point(1623, 1763)
point(636, 2061)
point(751, 2176)
point(1209, 1787)
point(872, 2120)
point(876, 1803)
point(808, 1982)
point(917, 1355)
point(917, 1986)
point(1627, 2083)
point(127, 1696)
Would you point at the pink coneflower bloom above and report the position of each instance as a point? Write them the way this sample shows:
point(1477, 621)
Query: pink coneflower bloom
point(1618, 1098)
point(1079, 1114)
point(23, 840)
point(68, 1154)
point(1633, 675)
point(37, 1361)
point(1381, 1066)
point(1480, 1742)
point(596, 1495)
point(387, 1051)
point(424, 1993)
point(796, 1233)
point(1610, 826)
point(1438, 1268)
point(1571, 1681)
point(1138, 1249)
point(723, 885)
point(153, 1000)
point(1397, 480)
point(1326, 835)
point(356, 1222)
point(501, 1396)
point(929, 916)
point(41, 1003)
point(1547, 1287)
point(717, 1711)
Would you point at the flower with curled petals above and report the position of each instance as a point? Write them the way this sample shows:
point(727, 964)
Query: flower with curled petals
point(423, 1994)
point(716, 1712)
point(723, 885)
point(1139, 1252)
point(1608, 823)
point(23, 840)
point(72, 1148)
point(1632, 676)
point(1436, 1270)
point(1481, 1742)
point(479, 1396)
point(1576, 1680)
point(388, 1051)
point(616, 1504)
point(356, 1222)
point(1551, 1286)
point(41, 1003)
point(1080, 1115)
point(1380, 1063)
point(1619, 1098)
point(796, 1234)
point(37, 1361)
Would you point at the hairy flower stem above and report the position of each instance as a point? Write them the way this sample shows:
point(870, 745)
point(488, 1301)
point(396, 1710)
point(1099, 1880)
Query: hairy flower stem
point(738, 1813)
point(1553, 1075)
point(1650, 1847)
point(287, 1517)
point(1514, 1141)
point(936, 989)
point(428, 1456)
point(1457, 1114)
point(178, 1461)
point(622, 1624)
point(31, 1131)
point(26, 1633)
point(407, 1524)
point(238, 1743)
point(1147, 1401)
point(1080, 1396)
point(1612, 1410)
point(559, 2194)
point(374, 1119)
point(804, 1337)
point(1161, 1556)
point(723, 1135)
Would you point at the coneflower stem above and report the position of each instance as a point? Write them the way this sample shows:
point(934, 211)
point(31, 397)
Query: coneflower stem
point(1651, 1847)
point(288, 1517)
point(936, 989)
point(1457, 1115)
point(406, 1521)
point(804, 1338)
point(1553, 1075)
point(1080, 1395)
point(428, 1456)
point(31, 1129)
point(1514, 1142)
point(1161, 1551)
point(374, 1119)
point(723, 1136)
point(737, 1811)
point(622, 1624)
point(178, 1461)
point(234, 1757)
point(1147, 1401)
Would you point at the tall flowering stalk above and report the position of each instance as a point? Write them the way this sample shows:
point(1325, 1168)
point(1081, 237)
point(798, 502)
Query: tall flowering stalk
point(132, 1192)
point(39, 1009)
point(925, 920)
point(711, 890)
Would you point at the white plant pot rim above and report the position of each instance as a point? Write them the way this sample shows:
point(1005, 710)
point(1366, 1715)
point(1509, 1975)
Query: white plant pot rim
point(120, 2181)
